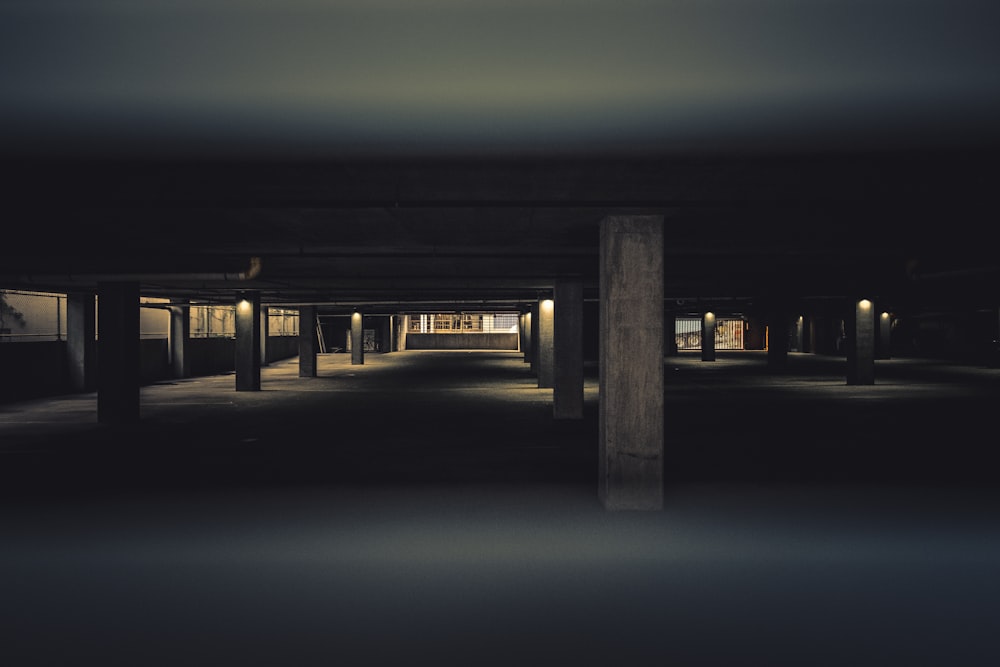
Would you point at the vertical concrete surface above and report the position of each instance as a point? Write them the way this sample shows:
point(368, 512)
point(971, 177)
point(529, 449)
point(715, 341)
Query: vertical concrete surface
point(630, 439)
point(884, 336)
point(180, 334)
point(670, 327)
point(118, 372)
point(248, 342)
point(860, 325)
point(308, 342)
point(708, 323)
point(265, 331)
point(567, 394)
point(81, 343)
point(534, 338)
point(778, 332)
point(546, 343)
point(357, 339)
point(526, 344)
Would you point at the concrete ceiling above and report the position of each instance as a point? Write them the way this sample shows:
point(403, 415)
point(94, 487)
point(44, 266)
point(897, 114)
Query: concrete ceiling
point(377, 152)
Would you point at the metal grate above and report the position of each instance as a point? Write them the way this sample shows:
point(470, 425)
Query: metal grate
point(728, 333)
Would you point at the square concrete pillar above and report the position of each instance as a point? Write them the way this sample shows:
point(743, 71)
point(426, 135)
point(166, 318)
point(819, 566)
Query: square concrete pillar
point(860, 328)
point(308, 342)
point(265, 331)
point(248, 342)
point(546, 343)
point(534, 318)
point(180, 334)
point(884, 336)
point(778, 332)
point(81, 340)
point(708, 325)
point(118, 375)
point(631, 363)
point(526, 344)
point(357, 339)
point(567, 391)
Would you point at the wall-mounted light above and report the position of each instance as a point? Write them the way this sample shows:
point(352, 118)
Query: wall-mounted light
point(885, 315)
point(243, 305)
point(546, 304)
point(709, 316)
point(864, 304)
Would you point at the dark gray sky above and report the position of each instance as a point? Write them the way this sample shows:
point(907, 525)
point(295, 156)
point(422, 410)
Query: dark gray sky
point(315, 74)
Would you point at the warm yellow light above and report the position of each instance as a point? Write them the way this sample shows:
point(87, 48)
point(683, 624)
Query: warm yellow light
point(710, 316)
point(885, 316)
point(244, 304)
point(356, 317)
point(864, 304)
point(547, 304)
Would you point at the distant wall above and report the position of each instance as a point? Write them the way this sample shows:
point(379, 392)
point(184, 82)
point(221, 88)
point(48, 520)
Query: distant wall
point(32, 370)
point(459, 341)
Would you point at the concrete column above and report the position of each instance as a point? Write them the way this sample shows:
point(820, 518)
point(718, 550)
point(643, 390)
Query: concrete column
point(265, 331)
point(308, 342)
point(630, 421)
point(527, 344)
point(248, 342)
point(404, 327)
point(81, 343)
point(534, 338)
point(860, 325)
point(567, 392)
point(884, 336)
point(670, 329)
point(118, 358)
point(708, 323)
point(357, 339)
point(180, 334)
point(799, 340)
point(546, 343)
point(777, 338)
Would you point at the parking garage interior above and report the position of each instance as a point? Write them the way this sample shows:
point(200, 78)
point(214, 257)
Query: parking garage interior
point(303, 404)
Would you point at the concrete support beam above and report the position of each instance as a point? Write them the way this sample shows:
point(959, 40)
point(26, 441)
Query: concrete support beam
point(81, 343)
point(631, 361)
point(708, 325)
point(546, 344)
point(670, 328)
point(884, 336)
point(265, 331)
point(534, 338)
point(248, 342)
point(118, 352)
point(180, 334)
point(860, 327)
point(526, 343)
point(357, 339)
point(308, 342)
point(568, 335)
point(778, 332)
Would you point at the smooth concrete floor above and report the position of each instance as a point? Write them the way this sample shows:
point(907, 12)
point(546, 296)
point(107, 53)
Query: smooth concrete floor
point(426, 508)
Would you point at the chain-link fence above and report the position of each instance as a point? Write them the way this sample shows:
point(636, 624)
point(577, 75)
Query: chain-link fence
point(27, 316)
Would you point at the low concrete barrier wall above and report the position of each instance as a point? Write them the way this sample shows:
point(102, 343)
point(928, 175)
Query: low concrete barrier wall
point(461, 341)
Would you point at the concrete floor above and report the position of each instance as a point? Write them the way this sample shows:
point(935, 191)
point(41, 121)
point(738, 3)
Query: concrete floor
point(425, 507)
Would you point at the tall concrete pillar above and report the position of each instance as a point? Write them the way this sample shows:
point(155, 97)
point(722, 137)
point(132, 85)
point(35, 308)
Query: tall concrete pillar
point(357, 339)
point(528, 338)
point(248, 342)
point(308, 342)
point(883, 336)
point(778, 332)
point(860, 326)
point(81, 343)
point(546, 343)
point(118, 360)
point(670, 329)
point(534, 338)
point(404, 327)
point(630, 421)
point(708, 324)
point(265, 331)
point(567, 391)
point(180, 334)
